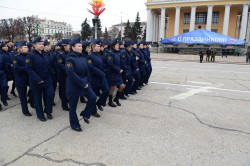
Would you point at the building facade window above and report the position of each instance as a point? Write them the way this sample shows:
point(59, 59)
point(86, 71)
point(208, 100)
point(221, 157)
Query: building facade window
point(215, 30)
point(185, 30)
point(215, 18)
point(186, 18)
point(201, 18)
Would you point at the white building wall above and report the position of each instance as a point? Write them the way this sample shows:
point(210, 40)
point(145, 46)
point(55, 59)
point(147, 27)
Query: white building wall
point(49, 28)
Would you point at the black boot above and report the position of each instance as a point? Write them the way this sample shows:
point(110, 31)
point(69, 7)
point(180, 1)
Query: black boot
point(5, 103)
point(99, 107)
point(13, 93)
point(111, 104)
point(65, 108)
point(82, 99)
point(1, 107)
point(117, 97)
point(32, 105)
point(122, 96)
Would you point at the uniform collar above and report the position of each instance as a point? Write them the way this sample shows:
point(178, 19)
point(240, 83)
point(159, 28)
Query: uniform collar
point(35, 51)
point(76, 54)
point(85, 53)
point(66, 52)
point(115, 50)
point(128, 51)
point(23, 54)
point(96, 53)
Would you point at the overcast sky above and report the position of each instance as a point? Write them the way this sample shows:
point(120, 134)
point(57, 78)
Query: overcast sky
point(73, 11)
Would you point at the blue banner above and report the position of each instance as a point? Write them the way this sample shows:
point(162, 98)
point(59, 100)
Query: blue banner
point(201, 36)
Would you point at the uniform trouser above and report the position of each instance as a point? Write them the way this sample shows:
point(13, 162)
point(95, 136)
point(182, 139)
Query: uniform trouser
point(47, 93)
point(73, 119)
point(212, 58)
point(248, 59)
point(143, 77)
point(22, 92)
point(0, 89)
point(207, 58)
point(105, 92)
point(31, 98)
point(4, 94)
point(4, 88)
point(54, 78)
point(91, 103)
point(62, 94)
point(201, 59)
point(148, 73)
point(13, 85)
point(128, 82)
point(137, 78)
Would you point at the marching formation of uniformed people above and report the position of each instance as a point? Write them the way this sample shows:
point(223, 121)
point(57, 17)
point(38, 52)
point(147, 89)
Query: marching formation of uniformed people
point(98, 73)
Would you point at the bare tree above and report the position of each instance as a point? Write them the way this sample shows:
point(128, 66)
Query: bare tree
point(11, 29)
point(5, 29)
point(31, 25)
point(18, 29)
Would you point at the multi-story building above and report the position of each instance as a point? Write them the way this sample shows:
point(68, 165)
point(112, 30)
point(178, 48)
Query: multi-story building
point(52, 29)
point(166, 18)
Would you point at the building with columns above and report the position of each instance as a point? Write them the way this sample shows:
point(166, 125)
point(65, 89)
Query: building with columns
point(166, 18)
point(49, 29)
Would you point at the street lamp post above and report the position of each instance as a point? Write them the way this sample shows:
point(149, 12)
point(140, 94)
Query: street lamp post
point(121, 26)
point(95, 19)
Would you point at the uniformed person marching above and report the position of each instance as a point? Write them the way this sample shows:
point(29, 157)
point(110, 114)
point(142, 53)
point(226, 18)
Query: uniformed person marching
point(21, 76)
point(104, 54)
point(85, 53)
point(77, 84)
point(127, 75)
point(113, 74)
point(97, 73)
point(4, 82)
point(53, 61)
point(38, 66)
point(61, 73)
point(31, 98)
point(8, 66)
point(3, 79)
point(12, 54)
point(135, 68)
point(1, 75)
point(141, 64)
point(148, 67)
point(85, 49)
